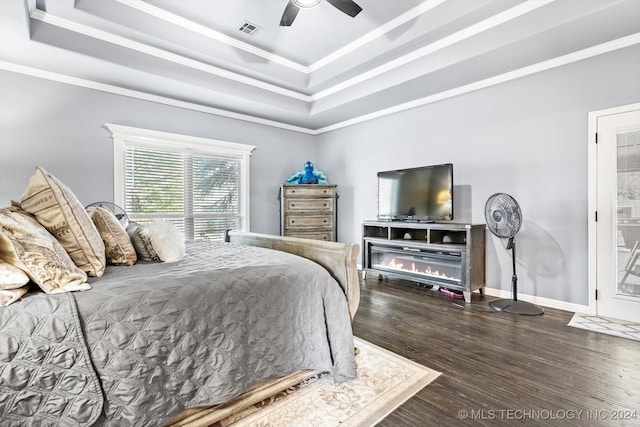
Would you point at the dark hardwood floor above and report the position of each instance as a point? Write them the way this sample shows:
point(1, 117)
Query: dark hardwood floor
point(499, 368)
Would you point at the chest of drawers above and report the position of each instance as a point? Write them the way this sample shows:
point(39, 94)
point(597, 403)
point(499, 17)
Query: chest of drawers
point(309, 210)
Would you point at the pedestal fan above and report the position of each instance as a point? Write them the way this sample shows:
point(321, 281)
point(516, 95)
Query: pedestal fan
point(504, 219)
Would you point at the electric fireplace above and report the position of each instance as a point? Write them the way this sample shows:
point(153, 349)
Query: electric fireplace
point(450, 255)
point(440, 267)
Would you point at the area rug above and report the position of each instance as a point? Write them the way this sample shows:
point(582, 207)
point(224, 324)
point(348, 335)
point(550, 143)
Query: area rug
point(385, 381)
point(606, 325)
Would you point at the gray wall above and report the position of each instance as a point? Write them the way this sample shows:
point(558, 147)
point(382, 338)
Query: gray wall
point(59, 127)
point(527, 137)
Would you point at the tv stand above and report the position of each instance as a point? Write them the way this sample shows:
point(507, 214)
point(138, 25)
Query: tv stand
point(448, 254)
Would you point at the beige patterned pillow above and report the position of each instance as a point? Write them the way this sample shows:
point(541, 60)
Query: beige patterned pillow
point(117, 243)
point(25, 244)
point(60, 212)
point(11, 277)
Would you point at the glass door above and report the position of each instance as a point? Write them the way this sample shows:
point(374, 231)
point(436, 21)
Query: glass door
point(618, 222)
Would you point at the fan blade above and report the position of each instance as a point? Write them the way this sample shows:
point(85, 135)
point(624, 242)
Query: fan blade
point(347, 6)
point(289, 15)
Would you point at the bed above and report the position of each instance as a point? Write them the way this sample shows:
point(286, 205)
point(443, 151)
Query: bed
point(159, 344)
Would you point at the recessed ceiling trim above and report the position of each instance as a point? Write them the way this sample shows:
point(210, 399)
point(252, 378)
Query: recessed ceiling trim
point(130, 93)
point(187, 24)
point(468, 32)
point(487, 24)
point(559, 61)
point(590, 52)
point(160, 53)
point(378, 32)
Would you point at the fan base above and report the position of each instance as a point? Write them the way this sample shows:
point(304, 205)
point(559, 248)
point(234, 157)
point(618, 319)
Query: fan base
point(516, 307)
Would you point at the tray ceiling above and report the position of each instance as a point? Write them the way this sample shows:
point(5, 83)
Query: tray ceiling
point(327, 70)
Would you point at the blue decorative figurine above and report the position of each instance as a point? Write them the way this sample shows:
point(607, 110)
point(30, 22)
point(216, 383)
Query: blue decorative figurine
point(308, 176)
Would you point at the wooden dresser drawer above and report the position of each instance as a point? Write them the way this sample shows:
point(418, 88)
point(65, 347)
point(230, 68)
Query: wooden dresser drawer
point(309, 211)
point(308, 221)
point(312, 190)
point(309, 205)
point(316, 235)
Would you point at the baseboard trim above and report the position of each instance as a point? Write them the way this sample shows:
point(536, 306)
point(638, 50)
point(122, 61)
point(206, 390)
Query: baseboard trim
point(545, 302)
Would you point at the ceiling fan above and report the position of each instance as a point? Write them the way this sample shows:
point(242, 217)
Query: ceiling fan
point(293, 7)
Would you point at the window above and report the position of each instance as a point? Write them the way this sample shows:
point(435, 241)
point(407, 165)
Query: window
point(200, 185)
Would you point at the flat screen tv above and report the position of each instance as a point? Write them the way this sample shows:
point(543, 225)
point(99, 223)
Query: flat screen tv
point(417, 194)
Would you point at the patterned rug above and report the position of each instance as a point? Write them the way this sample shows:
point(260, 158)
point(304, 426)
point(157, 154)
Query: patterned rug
point(606, 325)
point(385, 381)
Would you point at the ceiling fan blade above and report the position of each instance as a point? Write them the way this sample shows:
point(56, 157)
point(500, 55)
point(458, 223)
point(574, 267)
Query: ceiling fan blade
point(349, 7)
point(289, 15)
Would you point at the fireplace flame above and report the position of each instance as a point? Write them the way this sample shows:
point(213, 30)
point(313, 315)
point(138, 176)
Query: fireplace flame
point(398, 265)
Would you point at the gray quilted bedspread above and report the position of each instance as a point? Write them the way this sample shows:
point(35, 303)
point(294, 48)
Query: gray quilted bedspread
point(46, 377)
point(165, 337)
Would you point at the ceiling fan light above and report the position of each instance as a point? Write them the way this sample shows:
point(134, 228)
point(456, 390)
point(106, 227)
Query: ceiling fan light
point(306, 4)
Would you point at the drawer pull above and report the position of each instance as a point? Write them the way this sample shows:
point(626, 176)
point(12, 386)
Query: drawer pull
point(325, 221)
point(292, 204)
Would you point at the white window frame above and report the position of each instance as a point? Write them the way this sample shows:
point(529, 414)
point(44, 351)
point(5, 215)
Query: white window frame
point(124, 136)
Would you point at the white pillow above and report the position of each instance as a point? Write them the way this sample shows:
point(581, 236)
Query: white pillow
point(166, 240)
point(12, 277)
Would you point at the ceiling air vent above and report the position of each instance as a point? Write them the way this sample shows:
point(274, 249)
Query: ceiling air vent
point(249, 28)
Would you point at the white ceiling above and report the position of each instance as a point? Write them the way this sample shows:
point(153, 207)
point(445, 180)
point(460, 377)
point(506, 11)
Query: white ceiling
point(325, 71)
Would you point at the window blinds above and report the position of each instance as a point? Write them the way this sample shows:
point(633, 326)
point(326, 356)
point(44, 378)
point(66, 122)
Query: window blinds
point(202, 194)
point(199, 184)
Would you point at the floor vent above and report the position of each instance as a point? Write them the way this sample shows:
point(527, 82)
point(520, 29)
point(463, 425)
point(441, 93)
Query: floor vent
point(249, 28)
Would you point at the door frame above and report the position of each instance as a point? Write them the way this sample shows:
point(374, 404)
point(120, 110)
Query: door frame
point(592, 181)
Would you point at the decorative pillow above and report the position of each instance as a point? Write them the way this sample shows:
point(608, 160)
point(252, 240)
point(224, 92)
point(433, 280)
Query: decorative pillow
point(60, 212)
point(25, 244)
point(9, 296)
point(118, 247)
point(167, 241)
point(11, 277)
point(158, 241)
point(141, 242)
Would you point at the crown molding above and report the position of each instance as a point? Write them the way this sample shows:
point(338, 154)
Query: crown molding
point(88, 31)
point(576, 56)
point(440, 44)
point(130, 93)
point(559, 61)
point(192, 26)
point(187, 24)
point(487, 24)
point(372, 35)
